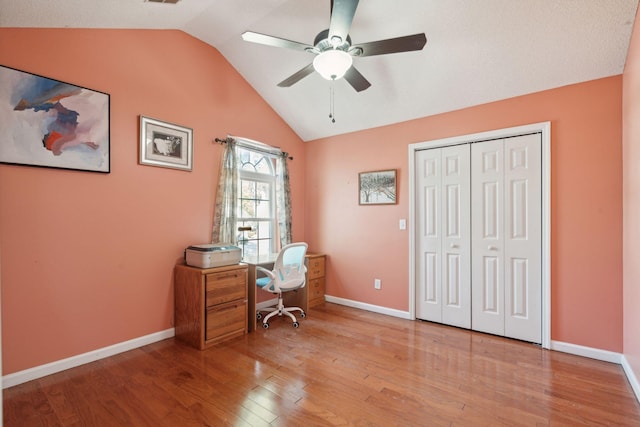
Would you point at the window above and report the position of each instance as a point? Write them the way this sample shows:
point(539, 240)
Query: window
point(253, 202)
point(256, 208)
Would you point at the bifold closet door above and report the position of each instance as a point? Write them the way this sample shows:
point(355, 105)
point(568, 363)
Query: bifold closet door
point(506, 237)
point(443, 291)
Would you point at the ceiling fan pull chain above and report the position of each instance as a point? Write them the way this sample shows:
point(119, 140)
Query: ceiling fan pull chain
point(332, 113)
point(330, 106)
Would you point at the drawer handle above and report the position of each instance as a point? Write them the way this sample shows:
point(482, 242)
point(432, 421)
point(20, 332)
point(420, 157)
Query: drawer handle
point(226, 276)
point(227, 308)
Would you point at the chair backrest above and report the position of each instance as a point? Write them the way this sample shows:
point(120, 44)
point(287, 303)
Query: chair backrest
point(289, 268)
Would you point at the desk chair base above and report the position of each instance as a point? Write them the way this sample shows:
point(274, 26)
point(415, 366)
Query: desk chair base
point(281, 310)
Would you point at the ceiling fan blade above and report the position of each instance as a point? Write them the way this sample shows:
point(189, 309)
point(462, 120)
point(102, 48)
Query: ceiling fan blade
point(342, 12)
point(395, 45)
point(297, 76)
point(250, 36)
point(356, 79)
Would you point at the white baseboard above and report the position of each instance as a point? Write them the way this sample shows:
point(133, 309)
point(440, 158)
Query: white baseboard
point(81, 359)
point(368, 307)
point(592, 353)
point(631, 376)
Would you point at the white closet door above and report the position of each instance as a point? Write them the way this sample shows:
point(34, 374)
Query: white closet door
point(506, 236)
point(443, 236)
point(456, 236)
point(428, 238)
point(487, 205)
point(523, 238)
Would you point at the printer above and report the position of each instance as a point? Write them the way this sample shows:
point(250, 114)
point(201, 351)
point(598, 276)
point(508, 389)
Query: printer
point(212, 255)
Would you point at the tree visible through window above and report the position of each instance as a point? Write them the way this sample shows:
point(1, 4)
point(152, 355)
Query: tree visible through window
point(256, 202)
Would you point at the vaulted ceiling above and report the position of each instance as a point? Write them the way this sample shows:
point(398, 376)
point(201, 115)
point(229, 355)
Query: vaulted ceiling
point(476, 51)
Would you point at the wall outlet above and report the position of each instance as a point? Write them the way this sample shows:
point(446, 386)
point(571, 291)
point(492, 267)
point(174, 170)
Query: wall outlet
point(403, 224)
point(376, 283)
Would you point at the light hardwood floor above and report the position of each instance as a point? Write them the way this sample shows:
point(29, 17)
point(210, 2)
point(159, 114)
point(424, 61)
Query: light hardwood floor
point(343, 366)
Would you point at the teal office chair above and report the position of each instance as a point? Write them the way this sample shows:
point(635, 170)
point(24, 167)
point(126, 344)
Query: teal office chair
point(288, 274)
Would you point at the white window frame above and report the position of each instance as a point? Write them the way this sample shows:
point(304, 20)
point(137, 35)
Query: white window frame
point(247, 175)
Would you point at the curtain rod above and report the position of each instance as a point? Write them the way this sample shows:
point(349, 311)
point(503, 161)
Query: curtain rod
point(224, 141)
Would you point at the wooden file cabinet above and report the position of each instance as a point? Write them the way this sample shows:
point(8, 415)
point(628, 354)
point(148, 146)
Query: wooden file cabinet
point(315, 279)
point(210, 304)
point(313, 292)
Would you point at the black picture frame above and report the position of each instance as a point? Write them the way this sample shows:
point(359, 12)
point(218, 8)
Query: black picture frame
point(51, 123)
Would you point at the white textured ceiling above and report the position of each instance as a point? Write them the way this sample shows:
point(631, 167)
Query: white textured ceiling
point(477, 51)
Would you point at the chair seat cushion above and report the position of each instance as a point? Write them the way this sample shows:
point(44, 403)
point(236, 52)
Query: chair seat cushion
point(263, 282)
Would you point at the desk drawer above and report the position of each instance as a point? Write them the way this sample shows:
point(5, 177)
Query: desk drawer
point(316, 288)
point(226, 286)
point(226, 319)
point(315, 267)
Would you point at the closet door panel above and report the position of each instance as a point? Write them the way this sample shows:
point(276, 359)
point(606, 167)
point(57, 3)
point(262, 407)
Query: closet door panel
point(523, 245)
point(428, 238)
point(443, 291)
point(487, 240)
point(456, 241)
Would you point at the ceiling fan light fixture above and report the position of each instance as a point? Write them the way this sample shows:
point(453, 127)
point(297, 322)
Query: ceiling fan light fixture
point(332, 64)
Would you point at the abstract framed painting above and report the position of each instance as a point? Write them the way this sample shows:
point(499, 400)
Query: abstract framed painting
point(51, 123)
point(165, 144)
point(377, 187)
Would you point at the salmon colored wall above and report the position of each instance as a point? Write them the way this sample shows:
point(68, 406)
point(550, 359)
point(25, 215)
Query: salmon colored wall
point(631, 201)
point(87, 258)
point(364, 242)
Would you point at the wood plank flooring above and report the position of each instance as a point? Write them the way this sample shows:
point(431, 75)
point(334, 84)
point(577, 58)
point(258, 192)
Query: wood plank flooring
point(343, 366)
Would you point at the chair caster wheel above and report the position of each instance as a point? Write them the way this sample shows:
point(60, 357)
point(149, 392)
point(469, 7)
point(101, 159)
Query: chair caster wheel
point(265, 325)
point(259, 316)
point(303, 314)
point(296, 324)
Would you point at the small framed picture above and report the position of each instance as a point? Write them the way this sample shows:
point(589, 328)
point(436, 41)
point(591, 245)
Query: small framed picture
point(377, 187)
point(166, 145)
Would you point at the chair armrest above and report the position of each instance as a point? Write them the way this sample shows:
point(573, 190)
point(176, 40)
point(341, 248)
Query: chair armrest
point(266, 272)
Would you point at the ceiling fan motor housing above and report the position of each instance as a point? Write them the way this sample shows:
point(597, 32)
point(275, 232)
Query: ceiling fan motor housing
point(322, 42)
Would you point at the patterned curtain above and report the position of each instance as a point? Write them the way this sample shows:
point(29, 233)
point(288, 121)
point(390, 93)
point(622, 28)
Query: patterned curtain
point(283, 200)
point(224, 217)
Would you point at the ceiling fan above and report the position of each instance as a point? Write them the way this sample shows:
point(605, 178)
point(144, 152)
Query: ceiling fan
point(334, 51)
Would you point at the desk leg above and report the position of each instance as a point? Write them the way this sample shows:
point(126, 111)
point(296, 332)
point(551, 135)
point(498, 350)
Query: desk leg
point(252, 298)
